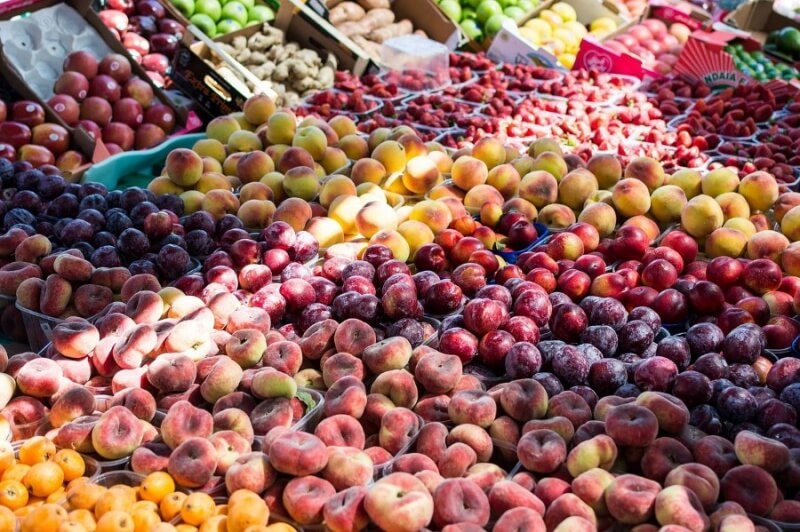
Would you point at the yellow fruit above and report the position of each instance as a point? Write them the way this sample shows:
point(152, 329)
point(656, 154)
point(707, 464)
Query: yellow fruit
point(71, 463)
point(156, 486)
point(603, 24)
point(7, 519)
point(530, 35)
point(576, 28)
point(43, 479)
point(551, 17)
point(565, 11)
point(35, 450)
point(196, 508)
point(566, 60)
point(170, 506)
point(115, 521)
point(570, 40)
point(45, 518)
point(13, 494)
point(16, 472)
point(541, 27)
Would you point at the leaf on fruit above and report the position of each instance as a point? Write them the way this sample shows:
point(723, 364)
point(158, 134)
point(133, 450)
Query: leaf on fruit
point(307, 399)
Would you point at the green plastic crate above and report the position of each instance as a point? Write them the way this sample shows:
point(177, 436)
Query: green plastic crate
point(137, 168)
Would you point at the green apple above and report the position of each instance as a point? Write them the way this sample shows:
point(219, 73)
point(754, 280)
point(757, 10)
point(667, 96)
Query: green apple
point(471, 29)
point(496, 22)
point(451, 8)
point(227, 25)
point(515, 13)
point(487, 9)
point(467, 13)
point(471, 3)
point(235, 11)
point(205, 23)
point(186, 7)
point(248, 4)
point(507, 3)
point(261, 13)
point(527, 5)
point(212, 8)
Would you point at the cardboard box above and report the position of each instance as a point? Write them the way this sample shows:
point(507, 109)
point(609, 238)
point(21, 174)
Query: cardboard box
point(216, 96)
point(509, 47)
point(758, 18)
point(185, 120)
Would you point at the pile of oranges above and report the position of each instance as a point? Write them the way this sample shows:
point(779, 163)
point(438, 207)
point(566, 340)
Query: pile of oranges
point(45, 489)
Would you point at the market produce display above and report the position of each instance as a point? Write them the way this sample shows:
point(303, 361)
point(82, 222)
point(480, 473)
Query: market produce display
point(490, 297)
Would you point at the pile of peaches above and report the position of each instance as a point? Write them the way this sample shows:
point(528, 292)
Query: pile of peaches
point(300, 322)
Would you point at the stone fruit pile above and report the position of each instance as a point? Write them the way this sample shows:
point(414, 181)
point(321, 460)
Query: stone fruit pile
point(148, 33)
point(109, 103)
point(301, 324)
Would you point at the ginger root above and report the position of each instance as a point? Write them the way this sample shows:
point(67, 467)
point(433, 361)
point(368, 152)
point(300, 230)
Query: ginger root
point(346, 11)
point(404, 27)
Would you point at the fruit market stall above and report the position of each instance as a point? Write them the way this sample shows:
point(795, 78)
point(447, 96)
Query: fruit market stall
point(355, 278)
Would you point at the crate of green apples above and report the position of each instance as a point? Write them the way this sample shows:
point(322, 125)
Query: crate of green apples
point(219, 17)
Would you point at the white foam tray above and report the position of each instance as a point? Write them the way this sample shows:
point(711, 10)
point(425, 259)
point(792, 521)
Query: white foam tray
point(36, 45)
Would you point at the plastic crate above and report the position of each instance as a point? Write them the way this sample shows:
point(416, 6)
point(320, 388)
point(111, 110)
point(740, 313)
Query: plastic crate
point(137, 169)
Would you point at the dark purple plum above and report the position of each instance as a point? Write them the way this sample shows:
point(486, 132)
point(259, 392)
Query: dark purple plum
point(712, 365)
point(607, 375)
point(550, 383)
point(704, 338)
point(736, 404)
point(571, 366)
point(675, 348)
point(692, 387)
point(635, 336)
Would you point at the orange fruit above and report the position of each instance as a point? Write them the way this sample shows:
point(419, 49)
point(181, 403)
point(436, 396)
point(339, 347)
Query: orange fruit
point(245, 509)
point(115, 521)
point(164, 527)
point(57, 496)
point(84, 517)
point(13, 494)
point(217, 523)
point(183, 527)
point(280, 527)
point(6, 455)
point(37, 449)
point(144, 520)
point(16, 472)
point(43, 479)
point(72, 526)
point(45, 518)
point(149, 506)
point(71, 463)
point(156, 486)
point(7, 519)
point(84, 496)
point(77, 482)
point(170, 506)
point(222, 509)
point(113, 499)
point(197, 508)
point(256, 528)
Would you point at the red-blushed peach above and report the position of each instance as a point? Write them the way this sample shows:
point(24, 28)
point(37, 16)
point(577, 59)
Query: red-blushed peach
point(145, 307)
point(590, 486)
point(172, 372)
point(678, 505)
point(558, 424)
point(347, 467)
point(353, 336)
point(271, 413)
point(193, 462)
point(399, 502)
point(184, 421)
point(399, 386)
point(223, 379)
point(459, 500)
point(486, 475)
point(520, 519)
point(346, 396)
point(475, 437)
point(252, 471)
point(662, 456)
point(565, 506)
point(598, 452)
point(230, 446)
point(413, 463)
point(318, 338)
point(578, 524)
point(786, 512)
point(282, 356)
point(432, 440)
point(40, 377)
point(757, 450)
point(472, 406)
point(437, 372)
point(541, 451)
point(298, 454)
point(378, 455)
point(670, 411)
point(345, 512)
point(75, 339)
point(340, 365)
point(456, 460)
point(386, 355)
point(507, 495)
point(117, 433)
point(398, 427)
point(605, 404)
point(138, 401)
point(716, 453)
point(736, 523)
point(72, 404)
point(130, 351)
point(698, 478)
point(524, 399)
point(341, 430)
point(549, 489)
point(571, 406)
point(751, 487)
point(236, 420)
point(631, 425)
point(630, 499)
